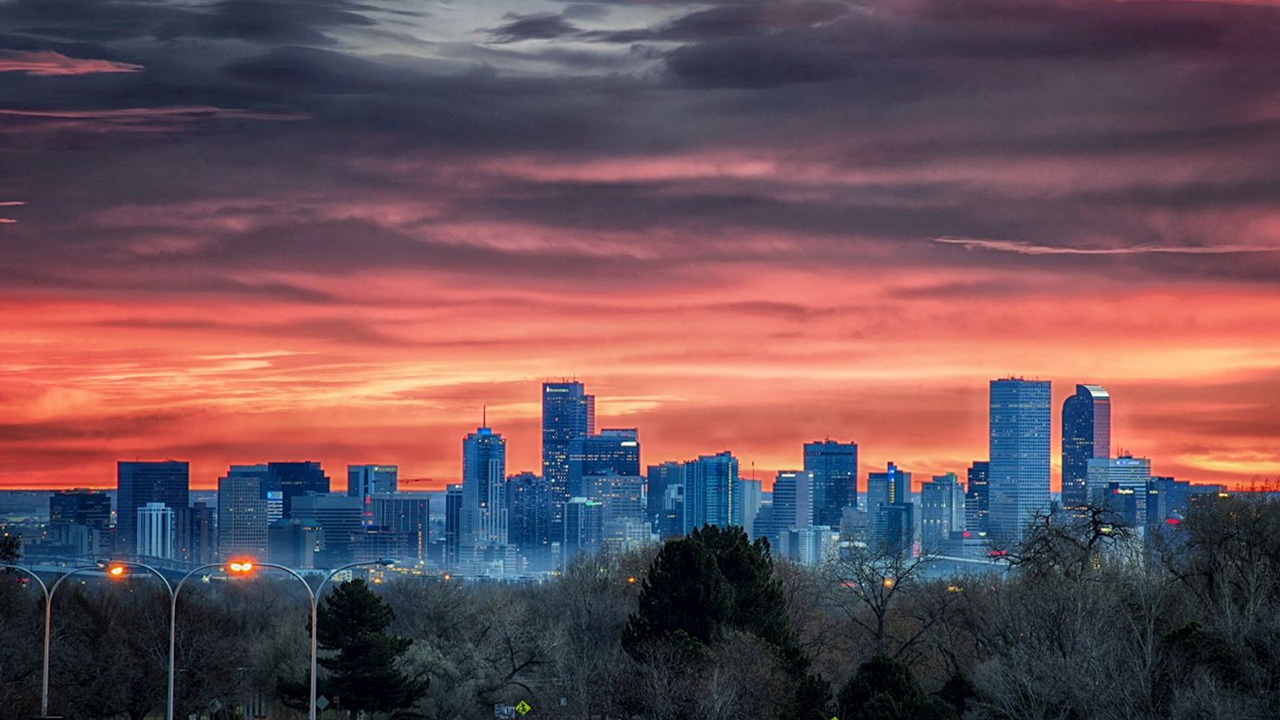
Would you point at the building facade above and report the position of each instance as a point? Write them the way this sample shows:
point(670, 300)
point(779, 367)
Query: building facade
point(1019, 455)
point(1086, 435)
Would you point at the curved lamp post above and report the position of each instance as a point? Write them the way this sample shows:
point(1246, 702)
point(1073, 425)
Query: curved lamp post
point(315, 612)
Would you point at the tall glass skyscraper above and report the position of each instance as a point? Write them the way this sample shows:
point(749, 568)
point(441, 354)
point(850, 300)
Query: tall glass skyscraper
point(835, 479)
point(1019, 455)
point(365, 481)
point(529, 519)
point(568, 413)
point(139, 483)
point(709, 485)
point(1086, 435)
point(484, 492)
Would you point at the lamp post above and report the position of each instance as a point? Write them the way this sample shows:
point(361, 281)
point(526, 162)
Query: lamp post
point(315, 612)
point(173, 633)
point(44, 679)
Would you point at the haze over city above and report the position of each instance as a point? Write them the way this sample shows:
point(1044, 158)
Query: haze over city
point(239, 232)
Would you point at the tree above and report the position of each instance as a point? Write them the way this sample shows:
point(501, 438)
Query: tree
point(708, 585)
point(10, 549)
point(363, 669)
point(885, 689)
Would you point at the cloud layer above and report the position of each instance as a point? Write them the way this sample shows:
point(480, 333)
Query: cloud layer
point(333, 229)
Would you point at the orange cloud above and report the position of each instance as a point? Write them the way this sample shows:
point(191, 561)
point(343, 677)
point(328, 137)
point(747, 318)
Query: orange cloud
point(46, 63)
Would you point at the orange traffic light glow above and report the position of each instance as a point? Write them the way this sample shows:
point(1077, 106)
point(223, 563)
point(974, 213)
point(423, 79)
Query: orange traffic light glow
point(240, 566)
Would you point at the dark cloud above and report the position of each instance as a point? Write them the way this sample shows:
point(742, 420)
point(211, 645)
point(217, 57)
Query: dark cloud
point(539, 26)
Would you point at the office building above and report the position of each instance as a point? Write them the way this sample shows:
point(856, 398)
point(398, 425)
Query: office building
point(894, 528)
point(155, 531)
point(294, 479)
point(243, 517)
point(292, 542)
point(1086, 435)
point(583, 527)
point(365, 481)
point(408, 513)
point(139, 483)
point(791, 508)
point(81, 507)
point(370, 544)
point(1019, 455)
point(1120, 484)
point(568, 413)
point(453, 526)
point(670, 522)
point(338, 517)
point(709, 485)
point(1167, 501)
point(891, 486)
point(199, 535)
point(484, 492)
point(941, 511)
point(834, 466)
point(622, 496)
point(976, 498)
point(611, 452)
point(660, 477)
point(529, 505)
point(748, 499)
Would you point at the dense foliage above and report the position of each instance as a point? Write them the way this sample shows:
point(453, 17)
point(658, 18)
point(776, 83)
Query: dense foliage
point(1082, 626)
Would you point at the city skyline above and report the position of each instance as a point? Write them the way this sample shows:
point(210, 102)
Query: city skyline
point(764, 474)
point(335, 233)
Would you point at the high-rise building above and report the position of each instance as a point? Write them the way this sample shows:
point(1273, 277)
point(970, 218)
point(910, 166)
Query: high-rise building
point(709, 484)
point(895, 527)
point(835, 479)
point(622, 496)
point(155, 531)
point(748, 499)
point(294, 479)
point(670, 523)
point(568, 412)
point(529, 513)
point(199, 535)
point(484, 492)
point(1019, 455)
point(792, 509)
point(891, 486)
point(941, 510)
point(583, 527)
point(977, 497)
point(1167, 501)
point(376, 542)
point(242, 512)
point(365, 481)
point(339, 517)
point(453, 525)
point(406, 513)
point(660, 477)
point(1120, 484)
point(81, 507)
point(139, 483)
point(611, 452)
point(293, 542)
point(1086, 434)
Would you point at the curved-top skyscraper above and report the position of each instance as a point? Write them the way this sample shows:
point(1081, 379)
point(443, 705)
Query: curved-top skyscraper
point(1086, 434)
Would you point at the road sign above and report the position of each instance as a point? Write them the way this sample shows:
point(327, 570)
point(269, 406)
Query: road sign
point(322, 702)
point(523, 708)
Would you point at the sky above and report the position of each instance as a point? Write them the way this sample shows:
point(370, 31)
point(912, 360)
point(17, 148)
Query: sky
point(253, 230)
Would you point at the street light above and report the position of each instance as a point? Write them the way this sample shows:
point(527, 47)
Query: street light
point(315, 612)
point(118, 570)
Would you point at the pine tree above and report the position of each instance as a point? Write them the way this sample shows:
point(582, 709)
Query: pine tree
point(361, 666)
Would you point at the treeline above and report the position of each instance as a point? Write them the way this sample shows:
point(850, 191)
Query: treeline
point(1088, 623)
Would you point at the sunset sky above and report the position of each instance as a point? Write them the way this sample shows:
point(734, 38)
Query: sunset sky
point(253, 230)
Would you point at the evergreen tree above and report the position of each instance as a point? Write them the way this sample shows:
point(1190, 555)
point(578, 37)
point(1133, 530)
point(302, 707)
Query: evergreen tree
point(361, 666)
point(885, 689)
point(715, 581)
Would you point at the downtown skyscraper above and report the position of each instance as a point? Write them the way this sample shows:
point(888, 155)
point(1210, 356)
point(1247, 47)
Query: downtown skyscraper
point(568, 413)
point(483, 518)
point(834, 466)
point(139, 483)
point(1086, 435)
point(1019, 455)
